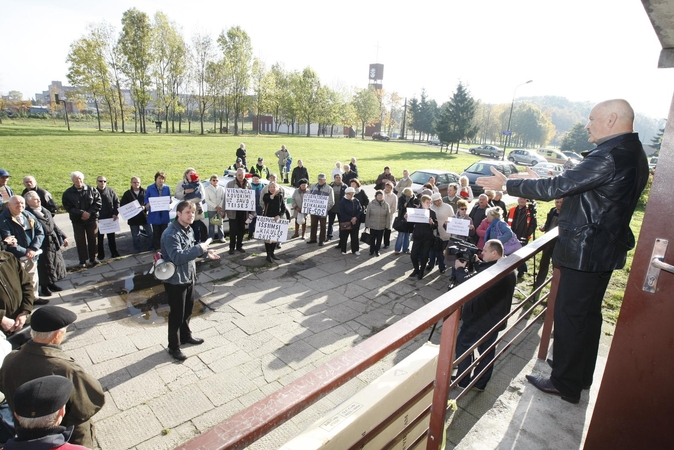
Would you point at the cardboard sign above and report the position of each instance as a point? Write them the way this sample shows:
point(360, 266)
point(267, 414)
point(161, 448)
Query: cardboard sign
point(160, 203)
point(315, 204)
point(268, 229)
point(418, 215)
point(239, 199)
point(130, 210)
point(106, 226)
point(458, 226)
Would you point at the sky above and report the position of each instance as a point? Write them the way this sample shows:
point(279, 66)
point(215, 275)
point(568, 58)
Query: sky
point(584, 50)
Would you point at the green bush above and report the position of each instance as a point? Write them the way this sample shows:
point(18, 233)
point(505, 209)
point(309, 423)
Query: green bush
point(643, 200)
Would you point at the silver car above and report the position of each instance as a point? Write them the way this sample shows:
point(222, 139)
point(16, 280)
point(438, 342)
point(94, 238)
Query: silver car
point(487, 150)
point(525, 157)
point(548, 170)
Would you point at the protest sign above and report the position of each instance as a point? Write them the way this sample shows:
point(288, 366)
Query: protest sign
point(160, 203)
point(315, 204)
point(239, 199)
point(106, 226)
point(458, 226)
point(268, 229)
point(130, 210)
point(418, 215)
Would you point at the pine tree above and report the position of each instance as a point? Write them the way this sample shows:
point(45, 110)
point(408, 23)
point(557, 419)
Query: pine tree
point(456, 121)
point(576, 139)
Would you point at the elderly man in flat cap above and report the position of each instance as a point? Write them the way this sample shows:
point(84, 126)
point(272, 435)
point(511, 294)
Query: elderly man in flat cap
point(43, 356)
point(40, 409)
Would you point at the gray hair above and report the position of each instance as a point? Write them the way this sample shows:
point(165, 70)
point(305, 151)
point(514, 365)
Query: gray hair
point(494, 212)
point(45, 336)
point(77, 174)
point(32, 423)
point(30, 194)
point(29, 177)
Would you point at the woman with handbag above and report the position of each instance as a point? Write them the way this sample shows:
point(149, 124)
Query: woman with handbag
point(500, 230)
point(376, 219)
point(361, 196)
point(274, 206)
point(349, 212)
point(297, 200)
point(215, 198)
point(424, 237)
point(406, 200)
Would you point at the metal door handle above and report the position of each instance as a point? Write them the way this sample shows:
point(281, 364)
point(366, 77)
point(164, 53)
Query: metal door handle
point(660, 264)
point(657, 264)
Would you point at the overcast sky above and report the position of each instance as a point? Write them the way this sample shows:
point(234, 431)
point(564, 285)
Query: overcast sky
point(585, 50)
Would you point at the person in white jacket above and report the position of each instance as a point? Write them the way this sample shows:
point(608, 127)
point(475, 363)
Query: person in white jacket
point(215, 198)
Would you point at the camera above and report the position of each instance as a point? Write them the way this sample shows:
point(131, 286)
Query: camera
point(464, 251)
point(532, 207)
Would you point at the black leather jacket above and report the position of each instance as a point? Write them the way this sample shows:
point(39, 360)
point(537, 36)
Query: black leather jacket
point(600, 195)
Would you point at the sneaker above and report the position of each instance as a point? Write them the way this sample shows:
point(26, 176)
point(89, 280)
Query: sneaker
point(357, 253)
point(343, 253)
point(396, 253)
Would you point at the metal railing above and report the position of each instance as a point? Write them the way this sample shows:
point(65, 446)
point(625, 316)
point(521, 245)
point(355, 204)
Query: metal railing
point(252, 423)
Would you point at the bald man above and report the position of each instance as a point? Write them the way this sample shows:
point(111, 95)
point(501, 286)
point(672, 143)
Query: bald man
point(600, 195)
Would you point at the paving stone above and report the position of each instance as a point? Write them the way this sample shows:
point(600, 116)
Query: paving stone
point(296, 355)
point(79, 338)
point(192, 403)
point(216, 415)
point(224, 387)
point(109, 409)
point(127, 429)
point(138, 390)
point(113, 348)
point(171, 439)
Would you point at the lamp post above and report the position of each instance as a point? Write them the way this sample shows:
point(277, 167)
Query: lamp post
point(509, 132)
point(65, 109)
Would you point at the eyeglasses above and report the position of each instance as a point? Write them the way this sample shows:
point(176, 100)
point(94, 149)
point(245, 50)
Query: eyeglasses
point(102, 181)
point(462, 209)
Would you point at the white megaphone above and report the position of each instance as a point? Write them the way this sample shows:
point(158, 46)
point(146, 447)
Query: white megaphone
point(163, 270)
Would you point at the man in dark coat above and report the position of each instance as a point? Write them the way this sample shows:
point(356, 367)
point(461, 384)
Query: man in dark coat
point(482, 313)
point(83, 204)
point(109, 210)
point(522, 220)
point(299, 173)
point(16, 297)
point(546, 255)
point(600, 195)
point(137, 193)
point(381, 179)
point(44, 356)
point(477, 214)
point(46, 198)
point(241, 153)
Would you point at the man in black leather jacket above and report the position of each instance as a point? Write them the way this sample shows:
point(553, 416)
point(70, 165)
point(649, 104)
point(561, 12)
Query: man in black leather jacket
point(600, 195)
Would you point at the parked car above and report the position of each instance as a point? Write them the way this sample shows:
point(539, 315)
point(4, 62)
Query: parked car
point(483, 168)
point(487, 150)
point(553, 156)
point(434, 141)
point(377, 136)
point(548, 170)
point(525, 157)
point(653, 162)
point(575, 157)
point(442, 179)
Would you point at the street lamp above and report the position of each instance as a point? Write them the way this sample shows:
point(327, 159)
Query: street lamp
point(508, 132)
point(65, 109)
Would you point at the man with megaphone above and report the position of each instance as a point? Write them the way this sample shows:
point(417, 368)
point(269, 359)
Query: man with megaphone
point(179, 247)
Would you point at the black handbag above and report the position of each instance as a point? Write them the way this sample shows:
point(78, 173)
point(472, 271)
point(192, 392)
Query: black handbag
point(438, 244)
point(366, 237)
point(400, 224)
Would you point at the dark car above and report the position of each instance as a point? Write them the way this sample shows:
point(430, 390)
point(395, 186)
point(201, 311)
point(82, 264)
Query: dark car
point(377, 136)
point(483, 169)
point(442, 179)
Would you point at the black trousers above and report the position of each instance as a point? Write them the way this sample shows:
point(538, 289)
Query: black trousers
point(467, 337)
point(112, 245)
point(344, 236)
point(85, 240)
point(375, 242)
point(419, 254)
point(237, 228)
point(387, 237)
point(315, 221)
point(157, 231)
point(331, 222)
point(577, 328)
point(181, 303)
point(544, 266)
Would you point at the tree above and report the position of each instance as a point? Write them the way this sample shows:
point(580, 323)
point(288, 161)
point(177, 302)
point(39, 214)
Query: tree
point(307, 94)
point(279, 86)
point(238, 56)
point(414, 112)
point(135, 44)
point(366, 106)
point(261, 89)
point(530, 126)
point(456, 122)
point(657, 141)
point(170, 63)
point(202, 56)
point(576, 139)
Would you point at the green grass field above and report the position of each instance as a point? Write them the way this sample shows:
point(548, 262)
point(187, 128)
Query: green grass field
point(46, 150)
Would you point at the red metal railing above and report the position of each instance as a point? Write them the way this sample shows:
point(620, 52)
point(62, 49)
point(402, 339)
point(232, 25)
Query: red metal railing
point(252, 423)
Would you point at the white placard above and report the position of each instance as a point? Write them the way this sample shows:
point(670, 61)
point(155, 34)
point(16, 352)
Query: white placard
point(106, 226)
point(268, 229)
point(418, 215)
point(315, 204)
point(239, 199)
point(162, 203)
point(130, 210)
point(460, 227)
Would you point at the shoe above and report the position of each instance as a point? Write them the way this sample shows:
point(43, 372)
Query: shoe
point(231, 252)
point(429, 268)
point(177, 354)
point(343, 253)
point(328, 238)
point(295, 236)
point(116, 255)
point(94, 263)
point(321, 244)
point(386, 246)
point(414, 273)
point(396, 253)
point(377, 253)
point(40, 301)
point(101, 257)
point(420, 275)
point(371, 253)
point(55, 288)
point(545, 385)
point(249, 238)
point(407, 252)
point(549, 361)
point(338, 247)
point(278, 245)
point(45, 291)
point(269, 260)
point(193, 340)
point(240, 250)
point(82, 265)
point(357, 253)
point(443, 270)
point(311, 242)
point(275, 257)
point(477, 389)
point(585, 386)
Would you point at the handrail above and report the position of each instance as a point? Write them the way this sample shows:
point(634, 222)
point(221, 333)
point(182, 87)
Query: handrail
point(248, 425)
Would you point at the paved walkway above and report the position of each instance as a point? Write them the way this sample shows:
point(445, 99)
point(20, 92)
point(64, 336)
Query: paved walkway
point(264, 326)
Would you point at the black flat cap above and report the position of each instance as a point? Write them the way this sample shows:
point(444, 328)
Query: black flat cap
point(42, 396)
point(51, 318)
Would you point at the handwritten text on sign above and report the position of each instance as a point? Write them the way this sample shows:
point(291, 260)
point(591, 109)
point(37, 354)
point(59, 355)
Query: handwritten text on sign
point(314, 204)
point(268, 229)
point(239, 199)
